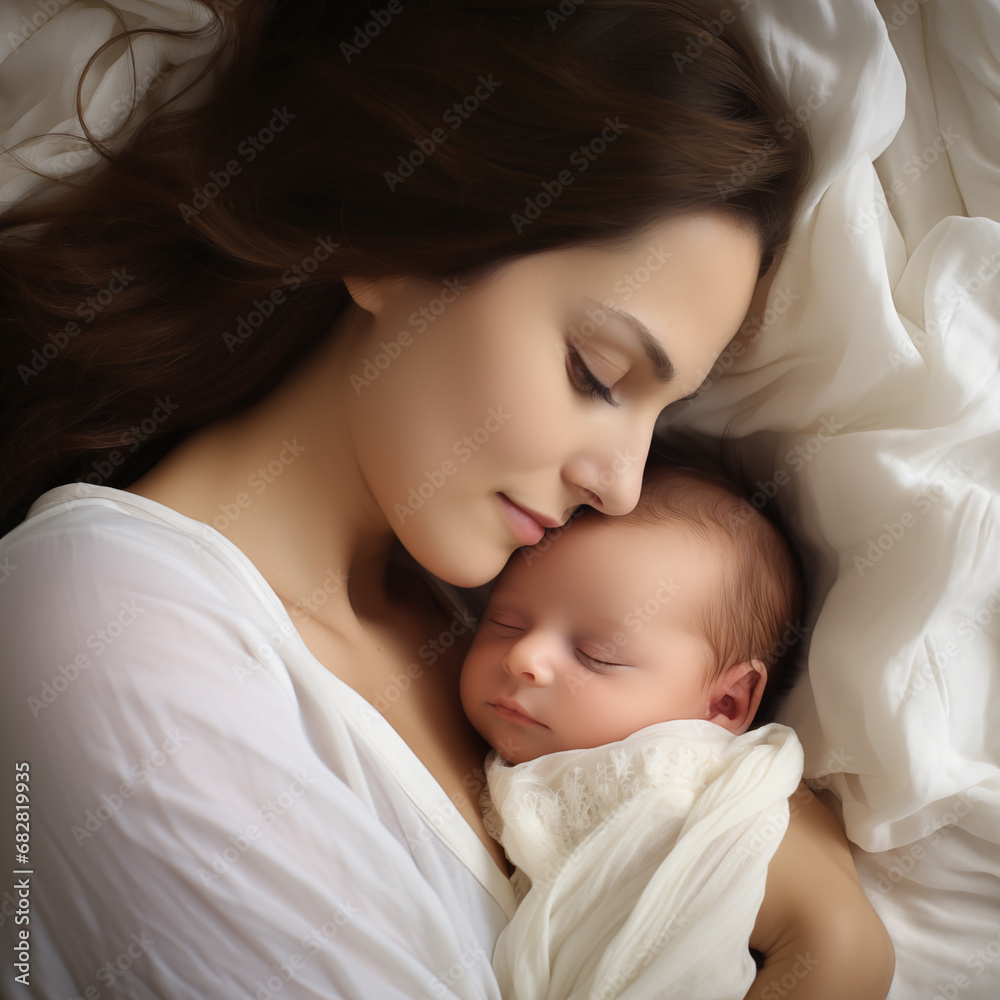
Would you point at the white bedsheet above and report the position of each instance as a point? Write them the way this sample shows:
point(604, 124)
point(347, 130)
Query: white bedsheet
point(868, 401)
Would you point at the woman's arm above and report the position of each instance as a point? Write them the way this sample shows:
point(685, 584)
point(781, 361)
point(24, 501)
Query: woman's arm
point(820, 936)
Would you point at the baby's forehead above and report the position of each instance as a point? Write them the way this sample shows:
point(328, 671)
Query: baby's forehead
point(596, 544)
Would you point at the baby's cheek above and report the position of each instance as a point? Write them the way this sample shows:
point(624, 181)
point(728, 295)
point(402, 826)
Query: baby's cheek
point(604, 716)
point(482, 663)
point(467, 682)
point(583, 707)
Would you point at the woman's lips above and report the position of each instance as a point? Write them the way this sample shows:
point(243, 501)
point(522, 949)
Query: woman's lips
point(527, 529)
point(506, 711)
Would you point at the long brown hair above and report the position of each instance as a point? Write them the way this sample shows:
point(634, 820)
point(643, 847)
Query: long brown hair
point(186, 276)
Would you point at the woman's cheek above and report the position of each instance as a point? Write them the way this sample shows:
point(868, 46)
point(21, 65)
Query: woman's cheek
point(538, 419)
point(408, 423)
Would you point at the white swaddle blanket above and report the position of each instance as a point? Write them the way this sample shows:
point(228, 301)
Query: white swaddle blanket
point(641, 864)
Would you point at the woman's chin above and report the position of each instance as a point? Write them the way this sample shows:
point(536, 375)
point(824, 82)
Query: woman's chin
point(467, 575)
point(462, 565)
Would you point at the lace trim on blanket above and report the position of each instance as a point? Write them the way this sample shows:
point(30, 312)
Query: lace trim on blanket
point(563, 811)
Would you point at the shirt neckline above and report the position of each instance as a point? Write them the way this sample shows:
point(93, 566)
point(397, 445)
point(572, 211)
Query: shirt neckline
point(412, 775)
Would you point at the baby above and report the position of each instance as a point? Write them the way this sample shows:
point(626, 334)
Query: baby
point(674, 611)
point(617, 671)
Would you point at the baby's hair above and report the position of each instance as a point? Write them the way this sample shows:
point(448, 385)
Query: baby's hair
point(757, 614)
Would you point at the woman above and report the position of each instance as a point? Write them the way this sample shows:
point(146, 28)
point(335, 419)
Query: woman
point(420, 277)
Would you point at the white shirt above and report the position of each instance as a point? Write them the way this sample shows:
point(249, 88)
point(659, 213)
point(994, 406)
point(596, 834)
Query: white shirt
point(213, 812)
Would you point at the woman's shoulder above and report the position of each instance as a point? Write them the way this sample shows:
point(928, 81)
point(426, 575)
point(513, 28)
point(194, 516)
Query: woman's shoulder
point(83, 536)
point(98, 581)
point(104, 513)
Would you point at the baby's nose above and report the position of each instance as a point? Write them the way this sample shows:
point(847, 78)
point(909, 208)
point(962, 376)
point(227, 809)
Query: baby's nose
point(529, 660)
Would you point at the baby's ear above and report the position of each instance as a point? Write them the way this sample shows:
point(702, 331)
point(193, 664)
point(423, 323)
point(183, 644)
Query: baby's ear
point(735, 696)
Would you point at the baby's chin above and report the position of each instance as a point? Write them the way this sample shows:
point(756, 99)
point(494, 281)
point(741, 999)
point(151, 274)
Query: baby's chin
point(515, 752)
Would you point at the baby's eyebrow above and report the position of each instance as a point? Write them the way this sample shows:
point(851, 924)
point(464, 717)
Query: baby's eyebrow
point(663, 368)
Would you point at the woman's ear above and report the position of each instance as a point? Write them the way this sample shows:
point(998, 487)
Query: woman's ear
point(372, 294)
point(735, 697)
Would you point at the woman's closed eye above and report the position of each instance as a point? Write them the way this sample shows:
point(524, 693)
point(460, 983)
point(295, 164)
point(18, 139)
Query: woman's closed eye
point(586, 381)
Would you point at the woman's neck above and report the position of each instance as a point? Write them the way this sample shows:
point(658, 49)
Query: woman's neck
point(281, 482)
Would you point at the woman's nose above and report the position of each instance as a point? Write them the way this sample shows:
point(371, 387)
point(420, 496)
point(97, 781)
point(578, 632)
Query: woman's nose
point(530, 659)
point(611, 481)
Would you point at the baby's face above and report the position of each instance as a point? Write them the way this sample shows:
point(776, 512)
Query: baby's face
point(592, 640)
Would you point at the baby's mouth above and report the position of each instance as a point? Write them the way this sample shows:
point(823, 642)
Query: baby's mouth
point(512, 712)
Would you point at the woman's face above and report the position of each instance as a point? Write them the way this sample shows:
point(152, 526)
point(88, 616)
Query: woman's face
point(480, 415)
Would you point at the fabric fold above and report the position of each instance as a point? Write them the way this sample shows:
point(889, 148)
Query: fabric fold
point(641, 864)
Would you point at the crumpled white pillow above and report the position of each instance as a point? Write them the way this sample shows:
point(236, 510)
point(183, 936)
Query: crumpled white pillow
point(44, 46)
point(866, 397)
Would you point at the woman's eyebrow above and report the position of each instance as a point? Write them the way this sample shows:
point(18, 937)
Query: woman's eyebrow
point(663, 368)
